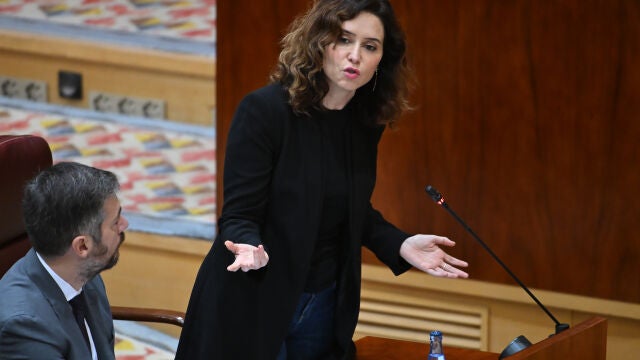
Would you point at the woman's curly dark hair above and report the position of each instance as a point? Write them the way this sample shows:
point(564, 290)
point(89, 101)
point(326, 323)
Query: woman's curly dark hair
point(299, 67)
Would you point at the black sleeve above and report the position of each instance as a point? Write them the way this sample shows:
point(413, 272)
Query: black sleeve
point(384, 239)
point(251, 153)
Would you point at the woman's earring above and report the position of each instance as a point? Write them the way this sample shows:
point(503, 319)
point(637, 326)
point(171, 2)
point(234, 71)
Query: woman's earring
point(375, 81)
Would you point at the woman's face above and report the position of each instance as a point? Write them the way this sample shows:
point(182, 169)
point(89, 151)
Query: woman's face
point(352, 60)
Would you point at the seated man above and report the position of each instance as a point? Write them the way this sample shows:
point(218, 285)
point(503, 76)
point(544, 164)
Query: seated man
point(73, 218)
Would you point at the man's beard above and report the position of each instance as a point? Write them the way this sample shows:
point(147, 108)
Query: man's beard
point(95, 266)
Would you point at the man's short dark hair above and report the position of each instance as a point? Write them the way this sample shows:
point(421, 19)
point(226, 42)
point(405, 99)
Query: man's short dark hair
point(64, 201)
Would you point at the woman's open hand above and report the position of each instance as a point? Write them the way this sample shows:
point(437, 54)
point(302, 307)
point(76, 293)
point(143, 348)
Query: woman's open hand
point(423, 252)
point(248, 257)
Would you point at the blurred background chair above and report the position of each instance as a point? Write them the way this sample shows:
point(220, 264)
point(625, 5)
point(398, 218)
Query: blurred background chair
point(21, 158)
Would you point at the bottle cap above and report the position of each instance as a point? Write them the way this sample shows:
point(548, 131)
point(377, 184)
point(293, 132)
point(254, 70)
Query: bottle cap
point(436, 333)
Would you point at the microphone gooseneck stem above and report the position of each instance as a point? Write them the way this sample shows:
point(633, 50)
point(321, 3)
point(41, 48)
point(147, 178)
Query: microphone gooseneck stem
point(496, 258)
point(439, 199)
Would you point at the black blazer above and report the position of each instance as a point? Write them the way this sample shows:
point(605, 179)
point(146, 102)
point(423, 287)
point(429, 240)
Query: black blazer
point(273, 181)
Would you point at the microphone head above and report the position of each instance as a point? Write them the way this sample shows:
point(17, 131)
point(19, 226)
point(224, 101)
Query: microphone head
point(435, 195)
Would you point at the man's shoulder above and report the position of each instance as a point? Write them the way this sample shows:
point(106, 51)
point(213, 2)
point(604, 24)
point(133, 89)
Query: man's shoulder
point(15, 276)
point(20, 293)
point(20, 299)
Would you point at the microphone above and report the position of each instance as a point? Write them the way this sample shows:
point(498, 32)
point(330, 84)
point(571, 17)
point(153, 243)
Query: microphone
point(521, 342)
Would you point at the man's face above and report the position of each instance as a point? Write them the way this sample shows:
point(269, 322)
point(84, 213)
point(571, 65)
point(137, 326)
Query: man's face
point(105, 253)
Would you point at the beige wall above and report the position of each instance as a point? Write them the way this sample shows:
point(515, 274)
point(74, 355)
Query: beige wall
point(186, 83)
point(156, 272)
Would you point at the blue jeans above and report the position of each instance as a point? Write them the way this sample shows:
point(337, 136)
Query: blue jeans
point(310, 333)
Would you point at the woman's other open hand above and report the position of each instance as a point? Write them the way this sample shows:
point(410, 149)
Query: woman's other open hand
point(424, 253)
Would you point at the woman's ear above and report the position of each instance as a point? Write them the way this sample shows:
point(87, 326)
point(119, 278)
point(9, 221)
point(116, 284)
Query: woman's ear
point(81, 245)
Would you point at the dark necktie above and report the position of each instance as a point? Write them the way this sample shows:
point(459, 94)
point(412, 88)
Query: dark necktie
point(79, 306)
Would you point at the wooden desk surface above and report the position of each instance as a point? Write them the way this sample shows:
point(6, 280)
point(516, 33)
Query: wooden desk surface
point(373, 348)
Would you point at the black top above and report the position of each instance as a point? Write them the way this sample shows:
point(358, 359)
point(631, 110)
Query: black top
point(331, 234)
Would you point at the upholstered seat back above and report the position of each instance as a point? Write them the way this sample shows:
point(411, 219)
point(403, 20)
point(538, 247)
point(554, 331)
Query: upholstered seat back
point(21, 157)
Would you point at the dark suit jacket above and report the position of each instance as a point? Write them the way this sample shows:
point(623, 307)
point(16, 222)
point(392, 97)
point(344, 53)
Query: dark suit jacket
point(273, 181)
point(36, 321)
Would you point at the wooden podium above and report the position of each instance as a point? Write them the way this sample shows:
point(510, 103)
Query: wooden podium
point(585, 341)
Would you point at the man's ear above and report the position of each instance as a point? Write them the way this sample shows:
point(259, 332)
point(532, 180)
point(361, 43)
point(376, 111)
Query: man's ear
point(81, 245)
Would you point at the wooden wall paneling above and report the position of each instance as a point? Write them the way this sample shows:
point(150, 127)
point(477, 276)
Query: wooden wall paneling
point(526, 119)
point(620, 191)
point(577, 65)
point(520, 124)
point(248, 45)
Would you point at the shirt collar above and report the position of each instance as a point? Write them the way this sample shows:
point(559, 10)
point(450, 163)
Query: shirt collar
point(68, 290)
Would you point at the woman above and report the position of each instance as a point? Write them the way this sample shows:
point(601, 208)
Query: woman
point(299, 173)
